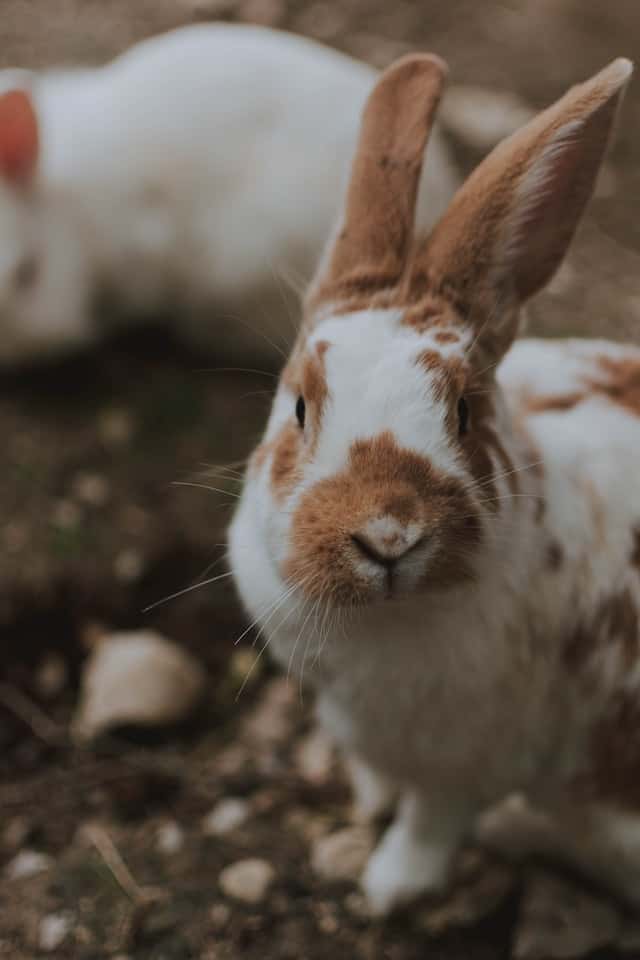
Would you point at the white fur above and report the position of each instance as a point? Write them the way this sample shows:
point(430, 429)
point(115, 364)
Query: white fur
point(199, 173)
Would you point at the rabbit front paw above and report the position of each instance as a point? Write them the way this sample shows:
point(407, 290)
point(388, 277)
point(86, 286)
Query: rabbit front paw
point(374, 795)
point(402, 868)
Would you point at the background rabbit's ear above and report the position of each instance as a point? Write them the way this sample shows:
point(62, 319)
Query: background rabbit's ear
point(509, 226)
point(19, 140)
point(369, 250)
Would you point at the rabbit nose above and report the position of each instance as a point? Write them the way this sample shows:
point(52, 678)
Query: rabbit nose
point(384, 541)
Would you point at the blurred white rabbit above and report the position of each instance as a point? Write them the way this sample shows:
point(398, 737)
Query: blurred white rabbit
point(197, 175)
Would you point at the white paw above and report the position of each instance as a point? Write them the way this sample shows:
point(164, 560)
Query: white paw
point(401, 869)
point(373, 795)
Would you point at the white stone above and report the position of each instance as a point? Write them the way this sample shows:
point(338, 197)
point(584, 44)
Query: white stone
point(137, 678)
point(51, 676)
point(91, 488)
point(226, 816)
point(27, 863)
point(53, 931)
point(314, 757)
point(342, 855)
point(247, 880)
point(170, 838)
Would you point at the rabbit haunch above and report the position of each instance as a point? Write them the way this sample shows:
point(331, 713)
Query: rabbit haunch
point(188, 178)
point(434, 444)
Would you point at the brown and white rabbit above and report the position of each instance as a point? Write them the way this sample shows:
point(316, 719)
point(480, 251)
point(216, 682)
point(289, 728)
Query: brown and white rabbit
point(441, 527)
point(194, 175)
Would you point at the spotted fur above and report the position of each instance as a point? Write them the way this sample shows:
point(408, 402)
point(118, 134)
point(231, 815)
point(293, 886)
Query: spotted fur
point(453, 535)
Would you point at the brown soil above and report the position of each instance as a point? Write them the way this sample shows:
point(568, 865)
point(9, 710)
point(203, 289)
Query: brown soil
point(91, 530)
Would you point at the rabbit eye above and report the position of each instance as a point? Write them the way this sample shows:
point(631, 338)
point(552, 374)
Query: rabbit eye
point(463, 417)
point(301, 410)
point(26, 272)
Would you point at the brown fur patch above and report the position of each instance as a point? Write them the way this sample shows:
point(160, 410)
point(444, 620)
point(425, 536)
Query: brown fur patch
point(635, 552)
point(428, 312)
point(313, 387)
point(446, 336)
point(285, 466)
point(555, 555)
point(483, 440)
point(614, 773)
point(381, 478)
point(614, 621)
point(448, 374)
point(621, 382)
point(550, 403)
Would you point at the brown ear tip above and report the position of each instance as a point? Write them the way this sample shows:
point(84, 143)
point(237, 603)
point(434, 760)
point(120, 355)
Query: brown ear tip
point(426, 64)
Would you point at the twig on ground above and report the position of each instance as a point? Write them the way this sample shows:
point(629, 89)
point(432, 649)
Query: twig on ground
point(22, 707)
point(142, 898)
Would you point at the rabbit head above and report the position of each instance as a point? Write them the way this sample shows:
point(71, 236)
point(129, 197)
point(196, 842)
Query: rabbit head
point(388, 446)
point(42, 269)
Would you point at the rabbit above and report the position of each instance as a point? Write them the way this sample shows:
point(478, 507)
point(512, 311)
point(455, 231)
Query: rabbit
point(187, 177)
point(440, 530)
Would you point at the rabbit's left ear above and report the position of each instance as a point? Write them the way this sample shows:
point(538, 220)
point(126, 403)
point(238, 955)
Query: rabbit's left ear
point(509, 226)
point(369, 251)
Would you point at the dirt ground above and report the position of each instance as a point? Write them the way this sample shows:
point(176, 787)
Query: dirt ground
point(92, 531)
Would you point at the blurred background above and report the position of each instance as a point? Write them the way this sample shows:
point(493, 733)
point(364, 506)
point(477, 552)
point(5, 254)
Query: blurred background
point(117, 848)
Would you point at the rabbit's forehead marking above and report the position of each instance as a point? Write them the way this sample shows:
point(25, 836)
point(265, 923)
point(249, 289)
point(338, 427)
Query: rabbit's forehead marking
point(377, 384)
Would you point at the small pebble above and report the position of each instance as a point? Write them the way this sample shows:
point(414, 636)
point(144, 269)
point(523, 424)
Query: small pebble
point(15, 833)
point(170, 838)
point(247, 880)
point(53, 931)
point(314, 757)
point(219, 915)
point(51, 676)
point(128, 565)
point(28, 863)
point(15, 536)
point(226, 816)
point(115, 427)
point(91, 488)
point(342, 855)
point(271, 721)
point(66, 515)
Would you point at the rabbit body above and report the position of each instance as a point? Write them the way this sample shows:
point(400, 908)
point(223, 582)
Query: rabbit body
point(199, 174)
point(440, 529)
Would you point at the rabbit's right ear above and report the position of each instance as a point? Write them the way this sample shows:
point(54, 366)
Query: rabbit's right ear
point(19, 139)
point(509, 226)
point(369, 251)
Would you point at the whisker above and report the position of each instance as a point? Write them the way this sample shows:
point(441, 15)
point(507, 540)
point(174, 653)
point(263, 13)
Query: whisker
point(260, 373)
point(180, 593)
point(204, 486)
point(253, 623)
point(260, 652)
point(256, 330)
